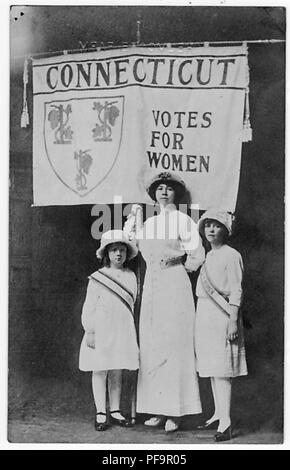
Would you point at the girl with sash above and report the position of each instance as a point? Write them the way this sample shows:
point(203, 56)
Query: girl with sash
point(170, 244)
point(219, 338)
point(110, 343)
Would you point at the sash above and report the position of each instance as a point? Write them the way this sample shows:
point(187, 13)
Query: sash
point(116, 288)
point(213, 293)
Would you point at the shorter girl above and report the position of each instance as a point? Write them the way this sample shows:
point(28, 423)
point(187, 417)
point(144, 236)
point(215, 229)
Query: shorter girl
point(109, 343)
point(219, 338)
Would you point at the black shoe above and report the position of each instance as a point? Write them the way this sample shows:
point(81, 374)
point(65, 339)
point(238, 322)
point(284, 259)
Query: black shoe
point(101, 426)
point(125, 423)
point(204, 426)
point(223, 436)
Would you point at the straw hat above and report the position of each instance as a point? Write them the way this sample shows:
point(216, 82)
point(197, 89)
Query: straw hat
point(116, 236)
point(224, 218)
point(165, 178)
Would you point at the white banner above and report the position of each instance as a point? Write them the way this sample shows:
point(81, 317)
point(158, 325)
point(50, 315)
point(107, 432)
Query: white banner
point(105, 122)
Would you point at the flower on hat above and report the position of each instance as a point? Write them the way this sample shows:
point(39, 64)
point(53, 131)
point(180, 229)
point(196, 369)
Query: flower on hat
point(167, 178)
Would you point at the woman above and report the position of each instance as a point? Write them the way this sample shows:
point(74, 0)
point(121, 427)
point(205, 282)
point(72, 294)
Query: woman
point(167, 382)
point(219, 335)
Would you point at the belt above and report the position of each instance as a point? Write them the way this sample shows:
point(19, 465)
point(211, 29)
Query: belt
point(167, 263)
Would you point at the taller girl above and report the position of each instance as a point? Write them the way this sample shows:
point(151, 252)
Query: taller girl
point(219, 338)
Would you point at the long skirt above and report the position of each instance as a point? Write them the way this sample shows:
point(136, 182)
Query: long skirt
point(216, 356)
point(167, 380)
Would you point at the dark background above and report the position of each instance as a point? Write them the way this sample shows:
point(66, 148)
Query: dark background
point(51, 248)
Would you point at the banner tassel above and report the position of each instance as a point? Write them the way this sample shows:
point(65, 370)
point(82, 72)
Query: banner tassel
point(247, 130)
point(24, 115)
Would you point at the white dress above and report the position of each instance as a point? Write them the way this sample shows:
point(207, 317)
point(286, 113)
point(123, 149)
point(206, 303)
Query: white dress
point(216, 356)
point(167, 379)
point(113, 324)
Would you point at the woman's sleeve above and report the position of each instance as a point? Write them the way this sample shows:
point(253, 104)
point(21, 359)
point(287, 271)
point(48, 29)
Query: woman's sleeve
point(89, 307)
point(235, 276)
point(191, 243)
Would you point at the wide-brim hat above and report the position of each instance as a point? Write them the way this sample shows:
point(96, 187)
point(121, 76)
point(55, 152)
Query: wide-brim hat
point(223, 217)
point(117, 236)
point(165, 178)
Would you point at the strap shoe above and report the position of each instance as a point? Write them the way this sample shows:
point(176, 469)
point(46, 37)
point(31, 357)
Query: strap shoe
point(103, 425)
point(125, 423)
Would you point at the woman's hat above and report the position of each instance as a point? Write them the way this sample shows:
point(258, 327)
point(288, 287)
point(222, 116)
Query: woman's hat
point(117, 236)
point(224, 218)
point(165, 178)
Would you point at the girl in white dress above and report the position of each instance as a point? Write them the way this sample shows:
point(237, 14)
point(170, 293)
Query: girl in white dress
point(219, 338)
point(169, 242)
point(110, 343)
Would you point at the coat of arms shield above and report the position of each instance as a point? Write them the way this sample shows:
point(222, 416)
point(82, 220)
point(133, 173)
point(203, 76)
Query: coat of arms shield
point(82, 139)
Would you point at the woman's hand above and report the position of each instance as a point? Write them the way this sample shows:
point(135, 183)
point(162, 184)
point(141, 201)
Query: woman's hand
point(134, 222)
point(232, 333)
point(91, 340)
point(135, 208)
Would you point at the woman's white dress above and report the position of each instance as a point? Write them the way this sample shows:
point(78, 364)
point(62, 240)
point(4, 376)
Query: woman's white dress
point(113, 324)
point(167, 379)
point(216, 356)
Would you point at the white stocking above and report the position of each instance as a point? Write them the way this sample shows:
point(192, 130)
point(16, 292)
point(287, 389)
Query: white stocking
point(223, 387)
point(216, 415)
point(114, 387)
point(99, 392)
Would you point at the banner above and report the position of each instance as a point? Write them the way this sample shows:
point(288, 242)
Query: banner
point(105, 122)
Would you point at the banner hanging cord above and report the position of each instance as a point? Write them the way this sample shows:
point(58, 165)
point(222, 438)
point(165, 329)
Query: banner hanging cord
point(138, 31)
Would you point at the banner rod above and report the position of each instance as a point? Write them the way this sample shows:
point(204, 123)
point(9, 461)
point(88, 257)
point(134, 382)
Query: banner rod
point(163, 45)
